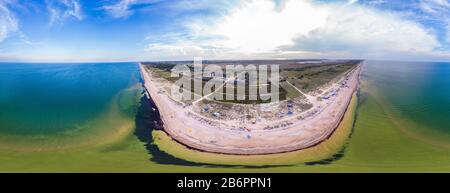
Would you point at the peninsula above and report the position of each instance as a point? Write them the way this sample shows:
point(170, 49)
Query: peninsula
point(313, 98)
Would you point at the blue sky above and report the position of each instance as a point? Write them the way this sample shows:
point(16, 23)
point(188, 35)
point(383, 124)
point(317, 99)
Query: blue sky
point(135, 30)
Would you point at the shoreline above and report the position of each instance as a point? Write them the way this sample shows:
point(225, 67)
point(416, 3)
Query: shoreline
point(292, 151)
point(303, 134)
point(321, 151)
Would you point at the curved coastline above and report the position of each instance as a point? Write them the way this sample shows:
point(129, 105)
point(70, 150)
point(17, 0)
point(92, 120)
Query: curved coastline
point(302, 135)
point(320, 151)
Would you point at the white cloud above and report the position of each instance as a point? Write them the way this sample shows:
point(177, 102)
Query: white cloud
point(349, 2)
point(8, 22)
point(253, 28)
point(365, 31)
point(60, 10)
point(179, 46)
point(302, 28)
point(180, 51)
point(123, 8)
point(257, 26)
point(377, 2)
point(435, 6)
point(196, 5)
point(438, 11)
point(447, 34)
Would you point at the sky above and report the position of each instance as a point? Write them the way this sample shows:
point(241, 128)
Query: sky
point(144, 30)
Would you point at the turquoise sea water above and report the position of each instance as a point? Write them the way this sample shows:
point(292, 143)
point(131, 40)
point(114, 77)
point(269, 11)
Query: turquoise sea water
point(42, 99)
point(418, 92)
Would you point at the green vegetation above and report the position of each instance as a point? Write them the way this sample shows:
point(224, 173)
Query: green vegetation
point(308, 77)
point(282, 94)
point(162, 73)
point(311, 78)
point(291, 92)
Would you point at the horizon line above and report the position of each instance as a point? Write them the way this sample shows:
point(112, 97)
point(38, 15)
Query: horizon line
point(181, 60)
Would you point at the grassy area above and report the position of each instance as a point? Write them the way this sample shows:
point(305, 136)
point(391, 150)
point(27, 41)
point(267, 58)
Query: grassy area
point(311, 78)
point(282, 95)
point(162, 73)
point(305, 77)
point(291, 91)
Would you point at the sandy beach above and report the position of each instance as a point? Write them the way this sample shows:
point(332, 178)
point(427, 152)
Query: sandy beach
point(306, 130)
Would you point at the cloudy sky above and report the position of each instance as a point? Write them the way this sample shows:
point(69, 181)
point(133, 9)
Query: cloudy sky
point(131, 30)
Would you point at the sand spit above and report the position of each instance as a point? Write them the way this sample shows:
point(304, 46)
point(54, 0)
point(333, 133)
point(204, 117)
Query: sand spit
point(305, 130)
